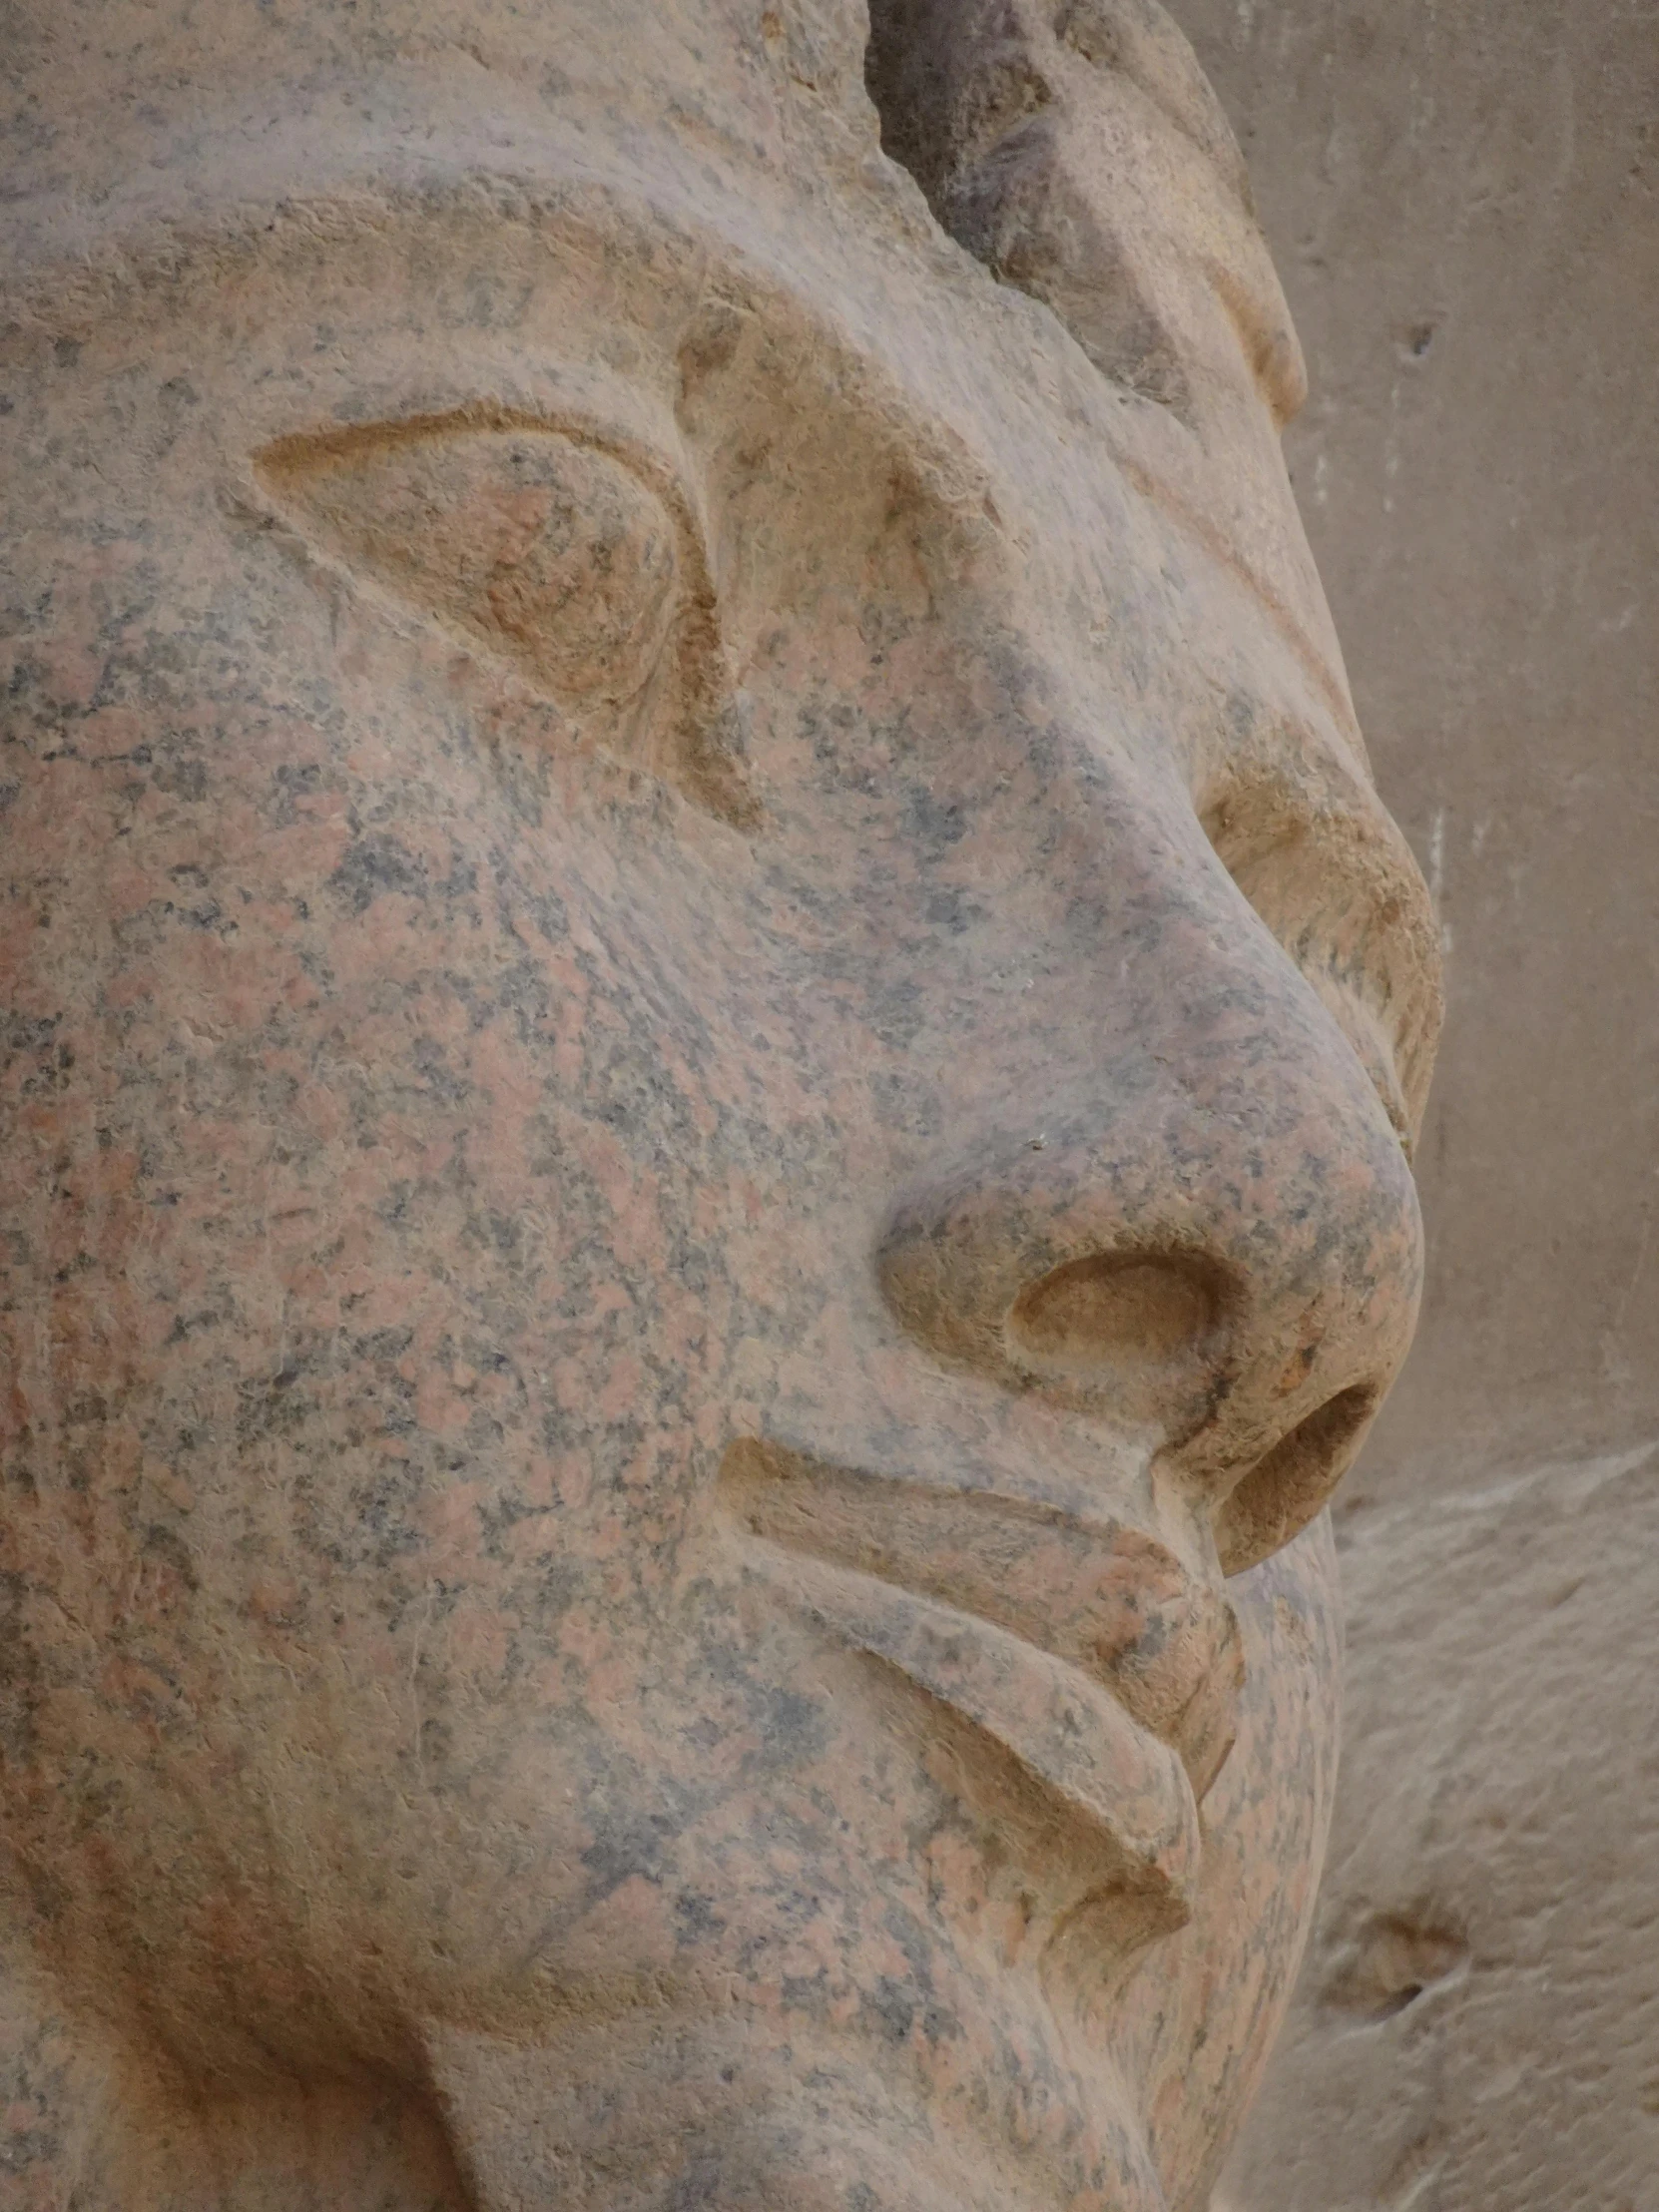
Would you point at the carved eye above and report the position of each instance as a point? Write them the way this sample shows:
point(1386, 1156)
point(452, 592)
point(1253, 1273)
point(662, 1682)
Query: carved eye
point(546, 550)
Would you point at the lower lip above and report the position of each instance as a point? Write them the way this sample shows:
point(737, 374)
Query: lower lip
point(1074, 1737)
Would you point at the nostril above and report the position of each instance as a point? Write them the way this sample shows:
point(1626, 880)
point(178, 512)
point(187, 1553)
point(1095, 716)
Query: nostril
point(1108, 1317)
point(1283, 1491)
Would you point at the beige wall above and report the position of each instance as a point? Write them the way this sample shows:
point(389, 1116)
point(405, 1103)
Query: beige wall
point(1464, 199)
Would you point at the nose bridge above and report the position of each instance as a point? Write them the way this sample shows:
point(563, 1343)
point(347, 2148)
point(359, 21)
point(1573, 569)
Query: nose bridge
point(1204, 1227)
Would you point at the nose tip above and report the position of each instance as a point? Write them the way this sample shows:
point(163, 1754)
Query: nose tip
point(1234, 1269)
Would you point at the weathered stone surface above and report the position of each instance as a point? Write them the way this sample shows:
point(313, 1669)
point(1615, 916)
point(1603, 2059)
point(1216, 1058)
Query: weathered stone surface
point(711, 1039)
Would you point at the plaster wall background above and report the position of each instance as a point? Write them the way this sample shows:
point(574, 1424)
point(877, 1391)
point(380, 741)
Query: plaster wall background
point(1464, 200)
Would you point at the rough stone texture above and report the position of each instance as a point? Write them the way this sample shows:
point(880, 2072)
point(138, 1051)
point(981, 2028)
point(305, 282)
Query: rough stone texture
point(1462, 203)
point(711, 1042)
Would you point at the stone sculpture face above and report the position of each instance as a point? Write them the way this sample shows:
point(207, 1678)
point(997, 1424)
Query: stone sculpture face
point(709, 1029)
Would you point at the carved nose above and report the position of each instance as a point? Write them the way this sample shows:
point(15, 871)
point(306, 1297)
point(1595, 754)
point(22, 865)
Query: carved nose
point(1224, 1252)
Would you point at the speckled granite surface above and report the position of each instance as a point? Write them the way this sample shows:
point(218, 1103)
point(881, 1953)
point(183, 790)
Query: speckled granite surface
point(710, 1034)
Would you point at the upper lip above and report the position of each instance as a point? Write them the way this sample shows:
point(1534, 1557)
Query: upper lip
point(1083, 1646)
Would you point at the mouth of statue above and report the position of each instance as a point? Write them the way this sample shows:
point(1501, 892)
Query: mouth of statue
point(1082, 1648)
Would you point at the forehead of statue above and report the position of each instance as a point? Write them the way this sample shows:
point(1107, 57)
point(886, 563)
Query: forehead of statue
point(60, 53)
point(124, 100)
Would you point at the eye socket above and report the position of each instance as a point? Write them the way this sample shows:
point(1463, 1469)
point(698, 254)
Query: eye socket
point(547, 549)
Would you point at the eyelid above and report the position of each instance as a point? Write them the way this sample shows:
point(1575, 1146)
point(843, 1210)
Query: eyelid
point(1323, 877)
point(285, 455)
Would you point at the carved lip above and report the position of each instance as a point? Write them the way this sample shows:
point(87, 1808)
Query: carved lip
point(1083, 1647)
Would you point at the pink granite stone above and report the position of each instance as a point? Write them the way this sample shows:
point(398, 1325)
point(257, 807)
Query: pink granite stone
point(711, 1037)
